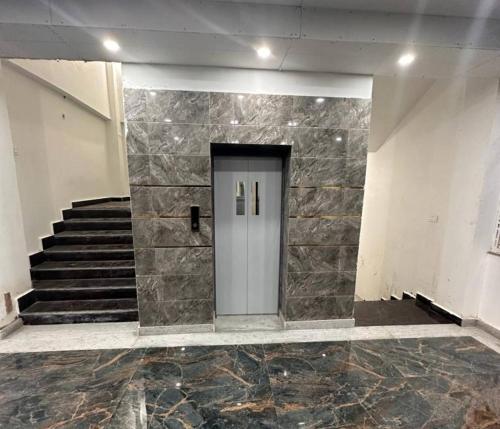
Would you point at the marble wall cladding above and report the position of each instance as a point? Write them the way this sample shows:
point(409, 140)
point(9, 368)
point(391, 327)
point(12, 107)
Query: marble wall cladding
point(168, 139)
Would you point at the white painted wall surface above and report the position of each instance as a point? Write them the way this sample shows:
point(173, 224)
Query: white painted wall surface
point(85, 82)
point(489, 308)
point(246, 81)
point(63, 153)
point(14, 264)
point(432, 193)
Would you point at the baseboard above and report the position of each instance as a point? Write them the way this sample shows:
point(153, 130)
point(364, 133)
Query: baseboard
point(428, 304)
point(319, 324)
point(488, 328)
point(82, 203)
point(10, 328)
point(175, 329)
point(37, 258)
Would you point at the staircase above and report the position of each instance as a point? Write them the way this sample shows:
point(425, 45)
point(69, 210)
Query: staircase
point(86, 272)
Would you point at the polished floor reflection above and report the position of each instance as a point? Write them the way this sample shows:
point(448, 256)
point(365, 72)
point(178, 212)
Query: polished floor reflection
point(406, 383)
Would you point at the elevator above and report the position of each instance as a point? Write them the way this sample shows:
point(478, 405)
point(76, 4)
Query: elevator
point(247, 221)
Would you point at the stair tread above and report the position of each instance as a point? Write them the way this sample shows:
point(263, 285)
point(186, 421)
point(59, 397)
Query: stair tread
point(93, 306)
point(97, 219)
point(110, 205)
point(90, 248)
point(94, 232)
point(78, 265)
point(85, 283)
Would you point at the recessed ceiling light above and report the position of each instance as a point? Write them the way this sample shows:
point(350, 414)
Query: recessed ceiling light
point(338, 139)
point(178, 384)
point(292, 123)
point(111, 45)
point(406, 60)
point(152, 94)
point(166, 119)
point(241, 97)
point(264, 52)
point(234, 122)
point(176, 138)
point(320, 100)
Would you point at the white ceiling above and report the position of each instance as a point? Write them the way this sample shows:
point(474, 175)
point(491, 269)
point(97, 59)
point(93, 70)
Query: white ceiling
point(225, 34)
point(464, 8)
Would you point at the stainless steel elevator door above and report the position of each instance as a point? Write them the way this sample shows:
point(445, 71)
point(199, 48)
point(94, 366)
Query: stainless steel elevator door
point(247, 221)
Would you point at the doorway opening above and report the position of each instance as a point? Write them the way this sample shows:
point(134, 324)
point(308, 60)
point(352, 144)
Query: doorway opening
point(250, 185)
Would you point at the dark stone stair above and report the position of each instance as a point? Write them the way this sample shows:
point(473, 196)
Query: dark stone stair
point(92, 252)
point(86, 272)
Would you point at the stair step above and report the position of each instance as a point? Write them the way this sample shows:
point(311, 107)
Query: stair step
point(97, 211)
point(86, 252)
point(83, 269)
point(98, 223)
point(81, 311)
point(84, 283)
point(116, 236)
point(84, 293)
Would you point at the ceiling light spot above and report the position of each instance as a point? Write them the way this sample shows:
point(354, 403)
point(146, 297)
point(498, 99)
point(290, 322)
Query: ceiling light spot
point(292, 124)
point(152, 93)
point(111, 45)
point(338, 139)
point(241, 97)
point(176, 138)
point(183, 348)
point(168, 120)
point(178, 384)
point(406, 59)
point(320, 100)
point(323, 354)
point(234, 122)
point(264, 52)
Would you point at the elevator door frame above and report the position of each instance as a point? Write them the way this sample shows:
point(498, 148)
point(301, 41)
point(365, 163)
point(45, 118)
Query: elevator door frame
point(248, 150)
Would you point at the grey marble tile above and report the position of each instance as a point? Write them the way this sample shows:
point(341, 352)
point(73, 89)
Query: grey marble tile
point(313, 258)
point(320, 231)
point(134, 104)
point(175, 287)
point(315, 201)
point(182, 107)
point(348, 258)
point(321, 284)
point(183, 260)
point(357, 144)
point(221, 108)
point(180, 170)
point(320, 308)
point(139, 169)
point(308, 112)
point(332, 112)
point(318, 171)
point(176, 201)
point(352, 201)
point(141, 202)
point(355, 172)
point(144, 261)
point(249, 134)
point(181, 312)
point(137, 138)
point(263, 109)
point(359, 114)
point(171, 232)
point(180, 139)
point(319, 142)
point(142, 231)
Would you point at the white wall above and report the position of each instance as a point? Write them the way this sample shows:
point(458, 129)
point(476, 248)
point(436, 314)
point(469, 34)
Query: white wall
point(14, 266)
point(64, 150)
point(84, 82)
point(246, 81)
point(426, 227)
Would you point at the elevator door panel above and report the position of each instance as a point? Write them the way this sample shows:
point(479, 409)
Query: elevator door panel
point(247, 219)
point(264, 221)
point(230, 235)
